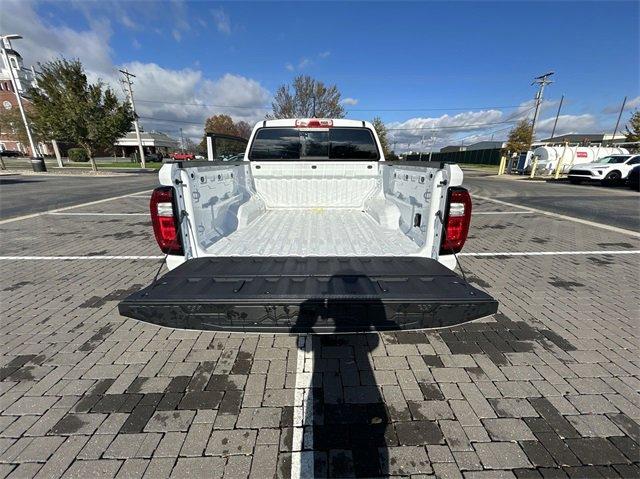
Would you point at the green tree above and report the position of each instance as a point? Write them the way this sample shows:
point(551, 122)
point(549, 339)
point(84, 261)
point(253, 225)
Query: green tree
point(69, 108)
point(381, 130)
point(307, 97)
point(520, 137)
point(633, 130)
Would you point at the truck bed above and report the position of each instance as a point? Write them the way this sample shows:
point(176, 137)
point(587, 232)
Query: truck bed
point(314, 232)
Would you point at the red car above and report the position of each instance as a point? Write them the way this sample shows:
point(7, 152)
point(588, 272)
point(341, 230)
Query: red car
point(183, 156)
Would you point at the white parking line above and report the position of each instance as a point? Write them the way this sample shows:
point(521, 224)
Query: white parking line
point(302, 444)
point(551, 253)
point(484, 253)
point(500, 213)
point(563, 217)
point(34, 215)
point(98, 214)
point(66, 258)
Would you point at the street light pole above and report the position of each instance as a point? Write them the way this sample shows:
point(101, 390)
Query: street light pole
point(6, 43)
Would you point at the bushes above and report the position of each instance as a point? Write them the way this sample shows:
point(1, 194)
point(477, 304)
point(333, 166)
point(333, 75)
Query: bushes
point(78, 154)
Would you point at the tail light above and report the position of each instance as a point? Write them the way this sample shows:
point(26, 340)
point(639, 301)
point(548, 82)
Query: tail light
point(457, 219)
point(165, 223)
point(314, 123)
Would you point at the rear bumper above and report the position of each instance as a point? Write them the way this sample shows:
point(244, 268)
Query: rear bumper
point(585, 175)
point(301, 295)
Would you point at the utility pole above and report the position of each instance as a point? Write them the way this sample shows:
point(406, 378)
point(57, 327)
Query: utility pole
point(314, 107)
point(615, 130)
point(5, 43)
point(541, 81)
point(127, 80)
point(181, 141)
point(555, 123)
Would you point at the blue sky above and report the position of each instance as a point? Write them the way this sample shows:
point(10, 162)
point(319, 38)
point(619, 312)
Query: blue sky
point(418, 64)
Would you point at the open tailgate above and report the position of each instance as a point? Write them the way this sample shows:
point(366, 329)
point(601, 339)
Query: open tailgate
point(311, 294)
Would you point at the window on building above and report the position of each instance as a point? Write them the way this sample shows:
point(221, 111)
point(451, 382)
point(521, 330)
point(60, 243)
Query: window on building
point(14, 63)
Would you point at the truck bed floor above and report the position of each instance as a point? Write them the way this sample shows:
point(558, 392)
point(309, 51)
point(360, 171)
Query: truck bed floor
point(314, 232)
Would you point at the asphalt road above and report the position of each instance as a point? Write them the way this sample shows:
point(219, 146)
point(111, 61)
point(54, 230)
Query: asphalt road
point(615, 206)
point(23, 195)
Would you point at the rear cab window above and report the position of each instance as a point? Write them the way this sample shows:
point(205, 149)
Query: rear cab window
point(335, 143)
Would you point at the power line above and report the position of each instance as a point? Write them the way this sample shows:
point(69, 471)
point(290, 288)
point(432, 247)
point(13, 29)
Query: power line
point(264, 107)
point(450, 127)
point(436, 109)
point(173, 121)
point(208, 105)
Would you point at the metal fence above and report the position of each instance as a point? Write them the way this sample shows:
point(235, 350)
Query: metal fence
point(480, 157)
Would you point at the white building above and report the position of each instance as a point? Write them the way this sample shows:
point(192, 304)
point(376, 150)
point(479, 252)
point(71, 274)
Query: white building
point(9, 139)
point(25, 77)
point(152, 142)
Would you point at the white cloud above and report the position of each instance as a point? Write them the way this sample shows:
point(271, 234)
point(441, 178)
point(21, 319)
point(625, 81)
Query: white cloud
point(43, 42)
point(350, 101)
point(177, 94)
point(567, 124)
point(175, 33)
point(222, 20)
point(127, 22)
point(304, 63)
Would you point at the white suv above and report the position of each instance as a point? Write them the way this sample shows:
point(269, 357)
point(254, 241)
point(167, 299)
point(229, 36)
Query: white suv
point(608, 170)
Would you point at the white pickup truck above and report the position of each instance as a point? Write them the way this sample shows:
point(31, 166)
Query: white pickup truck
point(312, 232)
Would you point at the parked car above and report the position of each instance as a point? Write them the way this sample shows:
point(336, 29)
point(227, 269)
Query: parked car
point(238, 157)
point(11, 153)
point(633, 178)
point(183, 156)
point(608, 170)
point(153, 157)
point(314, 232)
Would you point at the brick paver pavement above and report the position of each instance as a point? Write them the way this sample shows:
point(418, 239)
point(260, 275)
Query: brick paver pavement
point(547, 387)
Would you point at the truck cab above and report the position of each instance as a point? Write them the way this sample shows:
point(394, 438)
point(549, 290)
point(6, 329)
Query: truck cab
point(311, 215)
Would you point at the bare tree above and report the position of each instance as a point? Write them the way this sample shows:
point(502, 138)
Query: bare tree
point(244, 129)
point(307, 98)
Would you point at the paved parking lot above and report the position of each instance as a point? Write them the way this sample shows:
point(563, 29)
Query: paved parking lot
point(549, 387)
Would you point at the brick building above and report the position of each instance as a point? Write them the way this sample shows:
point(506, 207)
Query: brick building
point(8, 103)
